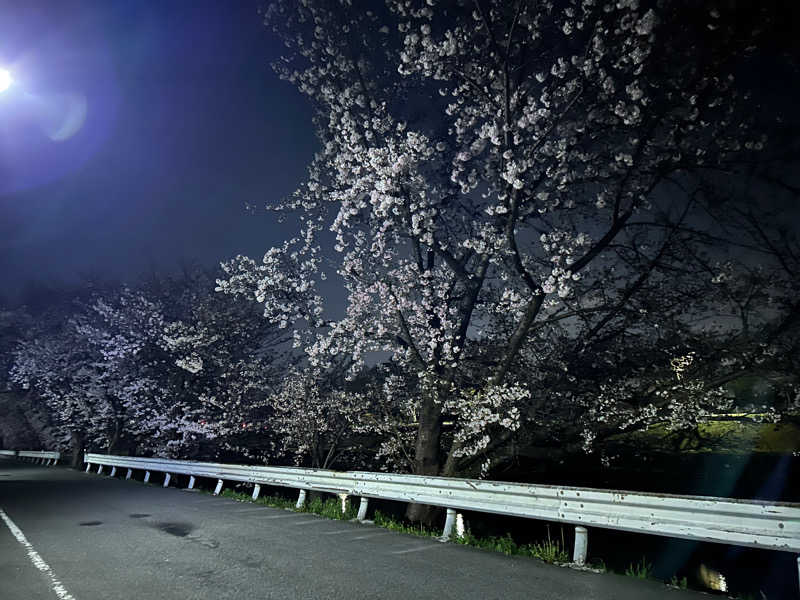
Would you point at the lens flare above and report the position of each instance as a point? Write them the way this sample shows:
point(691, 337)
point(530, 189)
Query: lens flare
point(5, 80)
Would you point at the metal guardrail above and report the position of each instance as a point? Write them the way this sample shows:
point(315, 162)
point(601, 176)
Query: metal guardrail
point(40, 456)
point(754, 523)
point(305, 479)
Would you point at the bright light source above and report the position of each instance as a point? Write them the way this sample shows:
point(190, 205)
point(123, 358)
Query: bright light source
point(5, 80)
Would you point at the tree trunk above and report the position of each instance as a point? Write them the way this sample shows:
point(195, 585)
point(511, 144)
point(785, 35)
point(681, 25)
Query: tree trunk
point(114, 439)
point(427, 456)
point(76, 447)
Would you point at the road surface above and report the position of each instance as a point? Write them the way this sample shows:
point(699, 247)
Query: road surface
point(69, 535)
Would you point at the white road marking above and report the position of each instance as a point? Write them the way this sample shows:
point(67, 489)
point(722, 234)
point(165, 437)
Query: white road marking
point(36, 559)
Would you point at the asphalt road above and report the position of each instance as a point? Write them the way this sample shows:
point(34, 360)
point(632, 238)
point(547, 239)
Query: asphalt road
point(68, 535)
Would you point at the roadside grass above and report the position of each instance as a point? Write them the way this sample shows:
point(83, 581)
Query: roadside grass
point(681, 583)
point(550, 551)
point(388, 522)
point(640, 570)
point(330, 508)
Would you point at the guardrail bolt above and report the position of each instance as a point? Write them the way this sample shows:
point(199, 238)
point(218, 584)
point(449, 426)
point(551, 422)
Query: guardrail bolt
point(166, 479)
point(218, 489)
point(581, 545)
point(191, 482)
point(147, 476)
point(256, 492)
point(301, 499)
point(362, 509)
point(449, 523)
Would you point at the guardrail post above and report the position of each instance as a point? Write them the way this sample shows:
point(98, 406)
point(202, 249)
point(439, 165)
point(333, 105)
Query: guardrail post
point(128, 474)
point(581, 545)
point(301, 499)
point(449, 522)
point(191, 482)
point(256, 492)
point(218, 489)
point(88, 467)
point(146, 476)
point(99, 469)
point(166, 479)
point(343, 498)
point(113, 471)
point(362, 509)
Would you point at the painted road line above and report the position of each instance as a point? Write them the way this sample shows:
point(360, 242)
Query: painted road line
point(36, 559)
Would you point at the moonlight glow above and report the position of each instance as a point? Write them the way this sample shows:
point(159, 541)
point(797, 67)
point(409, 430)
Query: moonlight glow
point(5, 80)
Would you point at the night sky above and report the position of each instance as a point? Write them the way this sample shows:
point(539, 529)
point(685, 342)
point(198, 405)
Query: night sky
point(185, 124)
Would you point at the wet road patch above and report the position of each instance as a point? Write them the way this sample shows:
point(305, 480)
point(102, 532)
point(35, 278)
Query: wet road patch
point(176, 529)
point(90, 523)
point(138, 515)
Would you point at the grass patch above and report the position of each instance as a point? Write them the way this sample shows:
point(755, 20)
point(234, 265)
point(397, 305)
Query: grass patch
point(549, 551)
point(330, 508)
point(681, 583)
point(640, 570)
point(271, 501)
point(389, 522)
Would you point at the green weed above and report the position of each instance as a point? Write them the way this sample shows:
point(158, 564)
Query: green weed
point(681, 583)
point(640, 570)
point(548, 551)
point(330, 508)
point(388, 522)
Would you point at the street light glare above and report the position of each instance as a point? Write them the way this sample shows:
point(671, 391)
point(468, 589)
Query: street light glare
point(5, 80)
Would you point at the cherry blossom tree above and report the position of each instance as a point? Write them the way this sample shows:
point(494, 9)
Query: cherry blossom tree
point(227, 363)
point(507, 185)
point(168, 368)
point(62, 369)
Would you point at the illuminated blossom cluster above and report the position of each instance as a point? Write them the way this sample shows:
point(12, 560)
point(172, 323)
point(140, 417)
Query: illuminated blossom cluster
point(500, 187)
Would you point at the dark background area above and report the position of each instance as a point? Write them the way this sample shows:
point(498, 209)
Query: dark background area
point(186, 125)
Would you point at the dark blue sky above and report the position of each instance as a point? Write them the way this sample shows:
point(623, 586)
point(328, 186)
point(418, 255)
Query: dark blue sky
point(185, 124)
